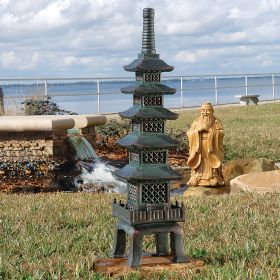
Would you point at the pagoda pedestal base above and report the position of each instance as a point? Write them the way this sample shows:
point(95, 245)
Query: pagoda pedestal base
point(135, 236)
point(150, 265)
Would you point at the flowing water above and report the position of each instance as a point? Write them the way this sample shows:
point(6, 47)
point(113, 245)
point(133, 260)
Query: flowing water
point(83, 149)
point(96, 175)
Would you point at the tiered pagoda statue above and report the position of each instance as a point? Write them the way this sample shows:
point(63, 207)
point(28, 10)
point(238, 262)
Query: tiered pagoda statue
point(148, 209)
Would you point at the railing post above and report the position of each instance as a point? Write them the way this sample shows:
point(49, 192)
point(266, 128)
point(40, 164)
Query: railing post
point(216, 90)
point(273, 87)
point(182, 93)
point(1, 102)
point(98, 96)
point(246, 85)
point(46, 89)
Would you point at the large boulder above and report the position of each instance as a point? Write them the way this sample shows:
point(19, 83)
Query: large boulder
point(235, 168)
point(261, 182)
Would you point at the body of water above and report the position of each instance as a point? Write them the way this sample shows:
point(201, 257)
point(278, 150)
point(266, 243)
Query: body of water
point(82, 96)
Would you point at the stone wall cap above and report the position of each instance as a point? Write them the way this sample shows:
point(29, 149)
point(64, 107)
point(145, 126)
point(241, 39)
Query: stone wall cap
point(49, 122)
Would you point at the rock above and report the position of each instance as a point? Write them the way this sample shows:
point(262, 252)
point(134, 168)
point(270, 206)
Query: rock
point(185, 173)
point(238, 167)
point(96, 187)
point(261, 182)
point(175, 185)
point(100, 187)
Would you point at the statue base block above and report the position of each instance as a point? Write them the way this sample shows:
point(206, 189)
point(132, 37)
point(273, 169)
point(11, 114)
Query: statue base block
point(150, 264)
point(199, 191)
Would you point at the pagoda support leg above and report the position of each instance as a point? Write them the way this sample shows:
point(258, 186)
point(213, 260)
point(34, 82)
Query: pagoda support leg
point(119, 243)
point(135, 248)
point(177, 245)
point(135, 236)
point(162, 244)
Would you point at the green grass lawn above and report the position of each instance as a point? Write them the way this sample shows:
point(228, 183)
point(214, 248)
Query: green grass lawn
point(58, 236)
point(250, 131)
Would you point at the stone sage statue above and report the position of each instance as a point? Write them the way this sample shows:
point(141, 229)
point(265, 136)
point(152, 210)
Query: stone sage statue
point(206, 149)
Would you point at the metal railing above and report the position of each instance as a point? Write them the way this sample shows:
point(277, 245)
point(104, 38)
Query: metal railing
point(188, 86)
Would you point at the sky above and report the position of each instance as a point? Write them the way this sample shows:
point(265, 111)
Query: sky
point(95, 38)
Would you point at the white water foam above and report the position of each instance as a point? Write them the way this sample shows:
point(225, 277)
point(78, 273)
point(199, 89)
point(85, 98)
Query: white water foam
point(101, 176)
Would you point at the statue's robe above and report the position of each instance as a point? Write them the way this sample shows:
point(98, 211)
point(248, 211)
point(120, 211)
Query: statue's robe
point(206, 154)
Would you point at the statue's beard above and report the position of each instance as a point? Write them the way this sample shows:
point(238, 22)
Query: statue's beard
point(207, 120)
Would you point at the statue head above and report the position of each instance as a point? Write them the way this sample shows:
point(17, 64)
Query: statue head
point(206, 109)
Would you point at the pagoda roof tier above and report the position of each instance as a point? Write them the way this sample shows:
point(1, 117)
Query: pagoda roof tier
point(148, 88)
point(149, 172)
point(137, 112)
point(148, 64)
point(148, 141)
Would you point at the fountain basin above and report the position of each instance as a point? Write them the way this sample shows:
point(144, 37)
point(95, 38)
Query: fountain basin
point(32, 147)
point(43, 137)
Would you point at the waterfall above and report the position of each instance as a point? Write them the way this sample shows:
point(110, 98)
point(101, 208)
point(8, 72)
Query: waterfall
point(83, 149)
point(95, 174)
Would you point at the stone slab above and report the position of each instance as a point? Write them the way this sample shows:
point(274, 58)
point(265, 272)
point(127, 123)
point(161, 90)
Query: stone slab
point(34, 124)
point(49, 122)
point(261, 182)
point(82, 121)
point(150, 264)
point(198, 191)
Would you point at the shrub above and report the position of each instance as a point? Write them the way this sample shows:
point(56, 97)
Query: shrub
point(36, 106)
point(110, 133)
point(181, 136)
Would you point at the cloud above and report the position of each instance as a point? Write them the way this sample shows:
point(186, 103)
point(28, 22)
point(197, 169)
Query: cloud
point(270, 5)
point(8, 59)
point(96, 37)
point(192, 57)
point(19, 61)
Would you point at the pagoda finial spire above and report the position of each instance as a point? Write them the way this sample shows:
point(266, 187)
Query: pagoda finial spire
point(148, 35)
